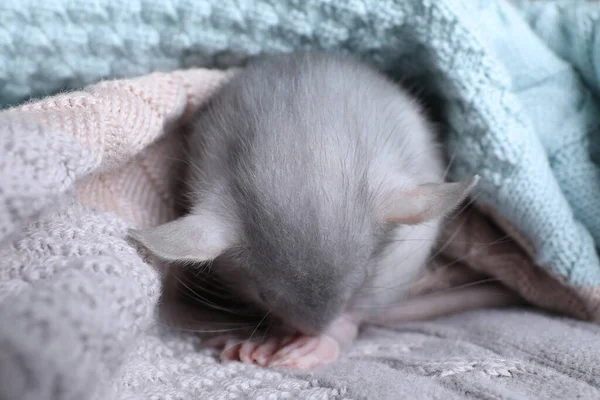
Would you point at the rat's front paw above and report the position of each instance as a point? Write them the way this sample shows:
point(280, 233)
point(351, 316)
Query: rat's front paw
point(297, 352)
point(306, 352)
point(249, 351)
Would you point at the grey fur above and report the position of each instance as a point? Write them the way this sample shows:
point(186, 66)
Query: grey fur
point(298, 162)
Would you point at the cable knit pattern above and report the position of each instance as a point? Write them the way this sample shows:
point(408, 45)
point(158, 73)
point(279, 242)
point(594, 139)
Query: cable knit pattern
point(77, 302)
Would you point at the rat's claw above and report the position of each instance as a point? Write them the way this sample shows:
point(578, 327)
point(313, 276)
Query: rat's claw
point(228, 345)
point(247, 350)
point(231, 351)
point(263, 352)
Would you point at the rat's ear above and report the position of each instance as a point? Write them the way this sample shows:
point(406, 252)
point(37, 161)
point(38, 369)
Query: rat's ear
point(429, 201)
point(194, 238)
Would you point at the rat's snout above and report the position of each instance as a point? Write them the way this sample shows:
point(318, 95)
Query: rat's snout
point(308, 318)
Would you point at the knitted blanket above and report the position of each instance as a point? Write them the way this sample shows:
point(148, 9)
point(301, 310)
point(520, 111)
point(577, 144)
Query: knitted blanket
point(80, 168)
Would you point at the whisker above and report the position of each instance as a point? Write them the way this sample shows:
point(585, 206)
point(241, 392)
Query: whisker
point(259, 323)
point(222, 294)
point(399, 286)
point(507, 239)
point(454, 288)
point(411, 282)
point(439, 251)
point(194, 294)
point(266, 331)
point(205, 301)
point(502, 239)
point(464, 207)
point(251, 335)
point(469, 284)
point(447, 171)
point(241, 328)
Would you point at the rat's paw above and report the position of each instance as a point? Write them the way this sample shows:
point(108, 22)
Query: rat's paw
point(250, 351)
point(297, 352)
point(261, 353)
point(306, 352)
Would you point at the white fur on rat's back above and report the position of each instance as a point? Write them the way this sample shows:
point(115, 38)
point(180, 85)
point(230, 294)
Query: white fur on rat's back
point(410, 246)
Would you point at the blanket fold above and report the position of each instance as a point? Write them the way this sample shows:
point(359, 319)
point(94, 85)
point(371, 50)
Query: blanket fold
point(79, 168)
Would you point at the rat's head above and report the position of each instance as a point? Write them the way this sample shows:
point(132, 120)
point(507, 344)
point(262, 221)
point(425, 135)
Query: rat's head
point(302, 268)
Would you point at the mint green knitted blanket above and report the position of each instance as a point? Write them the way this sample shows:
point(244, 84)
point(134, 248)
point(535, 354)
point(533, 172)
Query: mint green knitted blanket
point(519, 82)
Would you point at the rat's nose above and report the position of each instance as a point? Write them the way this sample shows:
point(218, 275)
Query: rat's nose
point(309, 322)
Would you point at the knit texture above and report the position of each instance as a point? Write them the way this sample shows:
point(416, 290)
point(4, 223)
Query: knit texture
point(80, 168)
point(518, 114)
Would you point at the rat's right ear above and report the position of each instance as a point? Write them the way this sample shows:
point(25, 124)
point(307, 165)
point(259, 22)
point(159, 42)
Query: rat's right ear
point(193, 238)
point(428, 201)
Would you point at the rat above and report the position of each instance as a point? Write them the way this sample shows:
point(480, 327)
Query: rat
point(317, 192)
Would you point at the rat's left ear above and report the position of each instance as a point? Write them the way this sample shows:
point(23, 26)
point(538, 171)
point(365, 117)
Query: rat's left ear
point(429, 201)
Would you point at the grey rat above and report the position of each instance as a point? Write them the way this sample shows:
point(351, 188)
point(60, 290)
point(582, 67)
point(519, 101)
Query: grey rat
point(317, 192)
